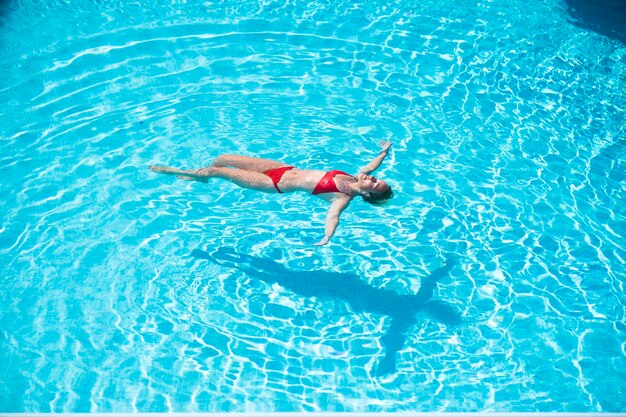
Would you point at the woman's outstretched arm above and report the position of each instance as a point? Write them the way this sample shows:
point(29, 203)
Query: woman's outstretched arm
point(373, 166)
point(332, 219)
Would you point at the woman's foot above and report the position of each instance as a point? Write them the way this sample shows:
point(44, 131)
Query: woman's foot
point(160, 169)
point(187, 175)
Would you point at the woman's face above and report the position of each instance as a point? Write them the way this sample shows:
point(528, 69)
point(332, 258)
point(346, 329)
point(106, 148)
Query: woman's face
point(370, 184)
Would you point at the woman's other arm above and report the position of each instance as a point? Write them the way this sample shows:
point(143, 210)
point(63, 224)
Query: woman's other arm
point(373, 166)
point(332, 219)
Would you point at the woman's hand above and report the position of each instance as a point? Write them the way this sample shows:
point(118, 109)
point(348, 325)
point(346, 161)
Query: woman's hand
point(322, 242)
point(385, 145)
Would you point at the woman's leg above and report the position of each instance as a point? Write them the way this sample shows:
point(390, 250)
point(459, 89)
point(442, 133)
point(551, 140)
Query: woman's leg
point(241, 177)
point(243, 163)
point(247, 163)
point(184, 174)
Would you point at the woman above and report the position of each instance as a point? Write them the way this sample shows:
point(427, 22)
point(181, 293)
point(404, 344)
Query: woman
point(335, 186)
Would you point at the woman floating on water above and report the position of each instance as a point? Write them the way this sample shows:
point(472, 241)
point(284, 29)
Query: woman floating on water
point(268, 176)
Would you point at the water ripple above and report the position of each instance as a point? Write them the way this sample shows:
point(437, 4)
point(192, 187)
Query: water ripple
point(508, 157)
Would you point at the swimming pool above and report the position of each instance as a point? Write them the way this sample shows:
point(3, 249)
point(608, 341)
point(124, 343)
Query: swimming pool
point(125, 291)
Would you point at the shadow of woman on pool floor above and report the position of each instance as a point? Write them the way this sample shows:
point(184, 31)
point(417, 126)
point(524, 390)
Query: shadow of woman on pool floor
point(401, 308)
point(606, 17)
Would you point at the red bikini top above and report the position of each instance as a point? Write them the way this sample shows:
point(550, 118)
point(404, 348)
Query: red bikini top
point(327, 183)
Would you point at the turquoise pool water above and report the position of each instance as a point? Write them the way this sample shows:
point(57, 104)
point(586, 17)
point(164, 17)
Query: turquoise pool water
point(494, 280)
